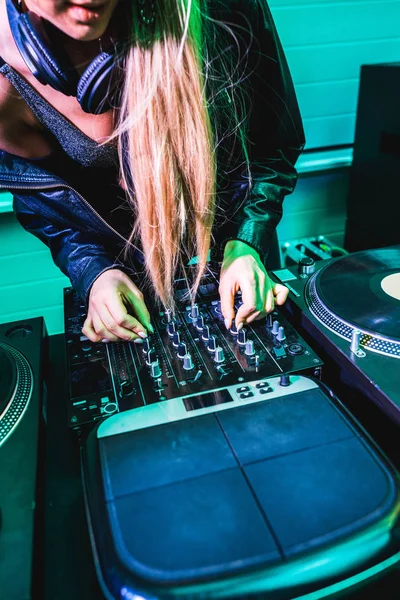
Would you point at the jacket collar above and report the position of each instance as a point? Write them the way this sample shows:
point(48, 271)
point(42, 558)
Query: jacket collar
point(17, 171)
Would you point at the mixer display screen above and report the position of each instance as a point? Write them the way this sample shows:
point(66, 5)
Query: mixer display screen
point(190, 353)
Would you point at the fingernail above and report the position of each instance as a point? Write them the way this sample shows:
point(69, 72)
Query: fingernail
point(105, 341)
point(142, 334)
point(239, 327)
point(151, 328)
point(138, 341)
point(227, 323)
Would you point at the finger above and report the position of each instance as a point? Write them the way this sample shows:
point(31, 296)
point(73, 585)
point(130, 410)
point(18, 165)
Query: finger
point(89, 331)
point(270, 301)
point(101, 329)
point(227, 297)
point(281, 293)
point(250, 308)
point(125, 322)
point(116, 330)
point(142, 314)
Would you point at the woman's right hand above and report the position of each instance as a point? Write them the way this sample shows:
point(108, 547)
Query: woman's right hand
point(112, 295)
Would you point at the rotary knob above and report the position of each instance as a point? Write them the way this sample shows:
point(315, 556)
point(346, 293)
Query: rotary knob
point(284, 380)
point(269, 321)
point(242, 337)
point(219, 355)
point(275, 328)
point(206, 333)
point(212, 343)
point(171, 328)
point(188, 362)
point(233, 328)
point(200, 323)
point(176, 340)
point(86, 346)
point(306, 266)
point(155, 369)
point(126, 388)
point(168, 314)
point(249, 351)
point(281, 334)
point(182, 350)
point(194, 312)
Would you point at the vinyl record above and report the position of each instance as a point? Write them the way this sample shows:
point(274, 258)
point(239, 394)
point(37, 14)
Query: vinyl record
point(363, 290)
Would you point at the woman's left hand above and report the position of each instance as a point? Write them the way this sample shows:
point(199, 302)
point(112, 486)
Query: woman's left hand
point(243, 270)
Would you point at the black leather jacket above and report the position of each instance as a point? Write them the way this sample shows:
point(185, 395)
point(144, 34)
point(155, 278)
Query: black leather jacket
point(83, 244)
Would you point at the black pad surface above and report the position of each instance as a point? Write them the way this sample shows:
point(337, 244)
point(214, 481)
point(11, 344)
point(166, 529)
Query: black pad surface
point(206, 525)
point(325, 492)
point(281, 426)
point(161, 455)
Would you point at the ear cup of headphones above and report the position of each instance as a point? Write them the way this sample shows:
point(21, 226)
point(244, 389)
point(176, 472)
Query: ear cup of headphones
point(96, 88)
point(92, 89)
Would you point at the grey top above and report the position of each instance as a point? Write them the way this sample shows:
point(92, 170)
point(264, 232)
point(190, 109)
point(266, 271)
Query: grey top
point(76, 144)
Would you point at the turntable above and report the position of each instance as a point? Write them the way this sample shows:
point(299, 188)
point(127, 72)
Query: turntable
point(21, 460)
point(351, 307)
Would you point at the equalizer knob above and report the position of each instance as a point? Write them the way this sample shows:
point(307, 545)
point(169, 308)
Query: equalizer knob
point(188, 362)
point(306, 266)
point(200, 323)
point(206, 333)
point(194, 312)
point(176, 340)
point(249, 351)
point(125, 388)
point(281, 334)
point(269, 320)
point(168, 314)
point(171, 328)
point(155, 369)
point(242, 335)
point(275, 328)
point(182, 350)
point(151, 356)
point(219, 355)
point(212, 343)
point(233, 328)
point(86, 346)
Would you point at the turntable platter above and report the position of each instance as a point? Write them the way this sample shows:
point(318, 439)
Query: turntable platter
point(16, 385)
point(361, 291)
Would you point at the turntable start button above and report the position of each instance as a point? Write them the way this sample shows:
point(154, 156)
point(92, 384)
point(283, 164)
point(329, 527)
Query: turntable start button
point(295, 349)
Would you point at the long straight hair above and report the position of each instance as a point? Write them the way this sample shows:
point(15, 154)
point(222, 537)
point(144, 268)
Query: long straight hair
point(167, 144)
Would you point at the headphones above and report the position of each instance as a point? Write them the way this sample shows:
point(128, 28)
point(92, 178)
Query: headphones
point(95, 89)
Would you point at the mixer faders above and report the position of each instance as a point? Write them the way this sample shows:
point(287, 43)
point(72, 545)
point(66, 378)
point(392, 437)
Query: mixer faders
point(189, 354)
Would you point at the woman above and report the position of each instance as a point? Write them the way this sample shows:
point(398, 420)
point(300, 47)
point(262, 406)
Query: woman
point(193, 146)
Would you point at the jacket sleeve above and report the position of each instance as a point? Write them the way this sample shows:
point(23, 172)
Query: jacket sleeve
point(275, 139)
point(76, 253)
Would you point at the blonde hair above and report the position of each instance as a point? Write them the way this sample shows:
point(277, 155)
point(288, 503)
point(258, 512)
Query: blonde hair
point(167, 145)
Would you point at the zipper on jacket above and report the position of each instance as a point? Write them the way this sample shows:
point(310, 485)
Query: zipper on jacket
point(68, 187)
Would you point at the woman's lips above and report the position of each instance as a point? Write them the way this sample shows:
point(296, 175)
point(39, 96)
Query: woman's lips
point(85, 13)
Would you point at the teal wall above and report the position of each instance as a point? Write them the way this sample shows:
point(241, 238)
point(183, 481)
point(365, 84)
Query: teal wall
point(325, 41)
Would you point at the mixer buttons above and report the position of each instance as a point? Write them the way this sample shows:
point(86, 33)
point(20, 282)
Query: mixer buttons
point(200, 323)
point(241, 390)
point(266, 390)
point(176, 340)
point(171, 328)
point(275, 328)
point(219, 356)
point(206, 333)
point(182, 350)
point(212, 343)
point(262, 384)
point(246, 395)
point(188, 362)
point(295, 349)
point(242, 337)
point(109, 408)
point(249, 351)
point(194, 312)
point(155, 369)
